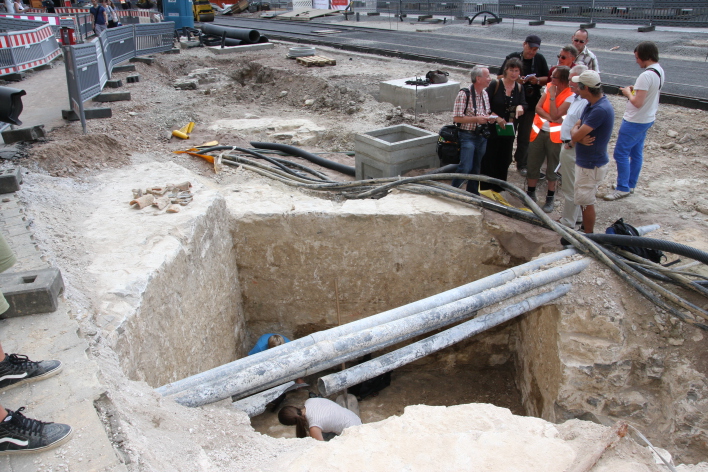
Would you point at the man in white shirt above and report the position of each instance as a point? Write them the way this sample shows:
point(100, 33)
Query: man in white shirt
point(638, 117)
point(585, 55)
point(571, 211)
point(10, 6)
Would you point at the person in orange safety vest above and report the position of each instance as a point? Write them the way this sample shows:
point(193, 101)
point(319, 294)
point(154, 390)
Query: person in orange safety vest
point(545, 134)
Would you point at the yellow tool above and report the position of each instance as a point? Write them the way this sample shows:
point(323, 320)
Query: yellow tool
point(184, 131)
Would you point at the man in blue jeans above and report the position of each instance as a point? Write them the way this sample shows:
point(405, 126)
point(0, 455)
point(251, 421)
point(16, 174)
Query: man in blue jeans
point(473, 115)
point(638, 117)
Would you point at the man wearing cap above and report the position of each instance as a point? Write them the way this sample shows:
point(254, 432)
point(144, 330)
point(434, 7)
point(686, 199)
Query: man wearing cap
point(591, 135)
point(639, 116)
point(534, 76)
point(585, 55)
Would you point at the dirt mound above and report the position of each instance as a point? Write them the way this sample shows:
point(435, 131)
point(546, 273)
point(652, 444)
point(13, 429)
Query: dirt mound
point(87, 152)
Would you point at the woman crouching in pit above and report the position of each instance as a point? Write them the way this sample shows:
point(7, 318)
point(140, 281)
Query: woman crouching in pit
point(321, 418)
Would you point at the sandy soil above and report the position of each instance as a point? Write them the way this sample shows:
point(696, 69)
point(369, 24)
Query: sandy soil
point(342, 100)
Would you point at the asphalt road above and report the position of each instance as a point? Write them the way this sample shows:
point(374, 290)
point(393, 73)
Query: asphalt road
point(687, 78)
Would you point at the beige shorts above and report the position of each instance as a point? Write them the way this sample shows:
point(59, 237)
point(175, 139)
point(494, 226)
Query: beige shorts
point(586, 183)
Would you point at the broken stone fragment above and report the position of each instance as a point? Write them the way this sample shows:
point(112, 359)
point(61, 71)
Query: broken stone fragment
point(172, 209)
point(158, 191)
point(182, 186)
point(137, 193)
point(671, 133)
point(142, 202)
point(185, 84)
point(161, 202)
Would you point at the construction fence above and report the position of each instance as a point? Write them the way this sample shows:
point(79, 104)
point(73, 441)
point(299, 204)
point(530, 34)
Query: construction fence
point(636, 12)
point(26, 44)
point(89, 65)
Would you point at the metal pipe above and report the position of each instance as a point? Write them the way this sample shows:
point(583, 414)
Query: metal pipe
point(368, 322)
point(340, 381)
point(255, 404)
point(252, 36)
point(267, 374)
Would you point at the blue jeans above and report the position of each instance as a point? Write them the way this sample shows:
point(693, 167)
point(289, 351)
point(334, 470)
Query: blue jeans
point(472, 149)
point(629, 153)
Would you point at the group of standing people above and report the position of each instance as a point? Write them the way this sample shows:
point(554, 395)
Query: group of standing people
point(104, 15)
point(560, 115)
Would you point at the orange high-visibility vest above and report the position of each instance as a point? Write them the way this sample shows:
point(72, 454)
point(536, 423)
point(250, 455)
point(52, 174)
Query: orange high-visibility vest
point(554, 128)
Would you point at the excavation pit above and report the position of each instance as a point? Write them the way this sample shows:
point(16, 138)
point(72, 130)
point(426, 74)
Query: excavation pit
point(252, 260)
point(194, 291)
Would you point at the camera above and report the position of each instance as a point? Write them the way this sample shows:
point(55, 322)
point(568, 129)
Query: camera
point(529, 89)
point(482, 130)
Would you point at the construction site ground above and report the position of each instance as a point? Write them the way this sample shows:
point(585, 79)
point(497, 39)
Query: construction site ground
point(319, 109)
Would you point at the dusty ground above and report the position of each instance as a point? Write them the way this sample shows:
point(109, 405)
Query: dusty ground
point(344, 102)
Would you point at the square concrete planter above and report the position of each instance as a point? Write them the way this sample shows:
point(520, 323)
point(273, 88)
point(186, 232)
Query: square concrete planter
point(392, 151)
point(430, 99)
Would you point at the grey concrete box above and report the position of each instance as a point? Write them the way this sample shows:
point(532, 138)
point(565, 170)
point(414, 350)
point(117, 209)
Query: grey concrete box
point(31, 292)
point(392, 151)
point(430, 99)
point(10, 180)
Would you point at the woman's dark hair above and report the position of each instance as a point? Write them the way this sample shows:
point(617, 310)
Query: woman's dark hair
point(289, 415)
point(512, 63)
point(562, 73)
point(647, 51)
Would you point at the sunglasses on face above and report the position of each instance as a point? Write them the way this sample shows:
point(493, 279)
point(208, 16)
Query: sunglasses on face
point(562, 57)
point(578, 41)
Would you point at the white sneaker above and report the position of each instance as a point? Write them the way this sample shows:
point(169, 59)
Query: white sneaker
point(616, 195)
point(614, 187)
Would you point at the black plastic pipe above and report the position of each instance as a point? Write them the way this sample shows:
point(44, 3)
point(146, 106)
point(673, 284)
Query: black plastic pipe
point(293, 151)
point(252, 36)
point(650, 243)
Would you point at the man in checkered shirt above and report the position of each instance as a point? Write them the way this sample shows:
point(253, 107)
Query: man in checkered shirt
point(473, 115)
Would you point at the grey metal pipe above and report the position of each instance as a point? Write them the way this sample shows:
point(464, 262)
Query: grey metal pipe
point(340, 381)
point(276, 371)
point(443, 298)
point(255, 404)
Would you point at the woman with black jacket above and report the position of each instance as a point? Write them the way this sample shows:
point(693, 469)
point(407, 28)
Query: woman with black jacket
point(508, 101)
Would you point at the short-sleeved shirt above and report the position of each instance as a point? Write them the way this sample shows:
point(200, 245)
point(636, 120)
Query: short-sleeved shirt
point(328, 416)
point(262, 344)
point(600, 116)
point(10, 6)
point(575, 111)
point(477, 105)
point(98, 15)
point(588, 59)
point(649, 81)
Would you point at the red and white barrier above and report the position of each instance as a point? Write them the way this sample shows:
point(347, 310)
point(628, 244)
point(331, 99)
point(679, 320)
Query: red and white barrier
point(23, 39)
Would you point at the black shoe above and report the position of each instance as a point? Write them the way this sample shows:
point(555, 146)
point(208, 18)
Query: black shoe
point(16, 370)
point(20, 434)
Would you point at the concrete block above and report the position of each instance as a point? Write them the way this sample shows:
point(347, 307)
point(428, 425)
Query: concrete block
point(587, 25)
point(114, 83)
point(133, 79)
point(89, 113)
point(124, 68)
point(430, 99)
point(646, 29)
point(145, 60)
point(111, 96)
point(9, 152)
point(23, 134)
point(393, 151)
point(10, 179)
point(14, 77)
point(31, 292)
point(537, 23)
point(241, 49)
point(172, 51)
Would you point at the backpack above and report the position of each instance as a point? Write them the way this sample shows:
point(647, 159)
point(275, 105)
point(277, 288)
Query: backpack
point(437, 76)
point(448, 147)
point(622, 228)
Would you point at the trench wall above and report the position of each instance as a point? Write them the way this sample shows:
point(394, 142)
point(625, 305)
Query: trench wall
point(293, 268)
point(190, 318)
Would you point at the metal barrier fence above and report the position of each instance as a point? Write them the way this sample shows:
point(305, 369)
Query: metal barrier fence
point(89, 65)
point(639, 12)
point(25, 45)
